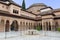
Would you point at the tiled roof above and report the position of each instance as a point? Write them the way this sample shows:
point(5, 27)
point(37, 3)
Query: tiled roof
point(37, 4)
point(56, 10)
point(10, 2)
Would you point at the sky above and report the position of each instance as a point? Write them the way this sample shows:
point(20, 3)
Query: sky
point(53, 3)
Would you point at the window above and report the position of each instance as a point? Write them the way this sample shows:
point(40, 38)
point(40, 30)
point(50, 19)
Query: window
point(30, 11)
point(6, 7)
point(38, 10)
point(15, 11)
point(3, 6)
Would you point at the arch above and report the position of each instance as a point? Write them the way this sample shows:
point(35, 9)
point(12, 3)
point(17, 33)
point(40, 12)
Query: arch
point(49, 26)
point(14, 26)
point(34, 25)
point(56, 25)
point(2, 22)
point(29, 25)
point(7, 26)
point(26, 23)
point(40, 24)
point(21, 23)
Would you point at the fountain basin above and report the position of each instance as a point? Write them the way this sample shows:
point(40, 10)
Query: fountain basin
point(32, 32)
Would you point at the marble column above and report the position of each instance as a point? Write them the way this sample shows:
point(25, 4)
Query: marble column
point(45, 26)
point(48, 27)
point(42, 26)
point(51, 25)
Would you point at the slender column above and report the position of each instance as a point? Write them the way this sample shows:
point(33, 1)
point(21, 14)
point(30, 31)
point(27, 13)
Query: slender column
point(51, 27)
point(43, 26)
point(22, 26)
point(48, 26)
point(54, 27)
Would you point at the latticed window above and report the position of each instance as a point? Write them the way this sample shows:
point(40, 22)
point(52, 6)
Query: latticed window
point(15, 11)
point(3, 6)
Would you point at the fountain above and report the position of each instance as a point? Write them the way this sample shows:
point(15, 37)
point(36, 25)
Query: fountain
point(32, 32)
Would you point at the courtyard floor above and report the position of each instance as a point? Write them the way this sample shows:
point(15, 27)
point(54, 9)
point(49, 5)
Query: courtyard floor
point(44, 35)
